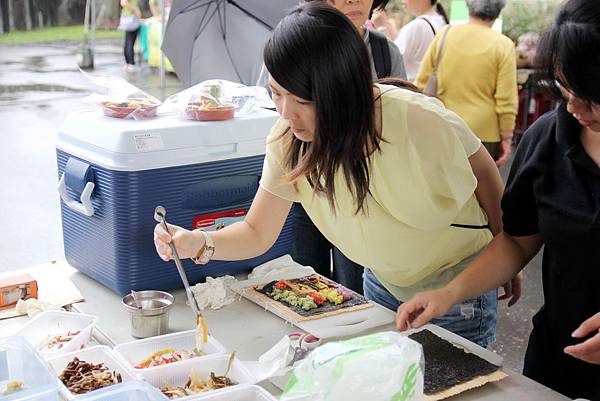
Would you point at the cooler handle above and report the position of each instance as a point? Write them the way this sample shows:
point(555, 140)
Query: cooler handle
point(84, 207)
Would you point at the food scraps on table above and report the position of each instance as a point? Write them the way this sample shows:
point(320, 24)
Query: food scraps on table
point(13, 386)
point(195, 385)
point(60, 340)
point(81, 377)
point(311, 295)
point(167, 355)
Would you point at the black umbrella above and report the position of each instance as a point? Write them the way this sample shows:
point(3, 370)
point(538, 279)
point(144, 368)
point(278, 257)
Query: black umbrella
point(206, 39)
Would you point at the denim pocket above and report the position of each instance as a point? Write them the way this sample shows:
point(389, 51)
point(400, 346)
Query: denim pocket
point(473, 319)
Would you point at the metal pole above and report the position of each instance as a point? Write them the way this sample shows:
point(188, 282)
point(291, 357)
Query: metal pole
point(163, 27)
point(92, 45)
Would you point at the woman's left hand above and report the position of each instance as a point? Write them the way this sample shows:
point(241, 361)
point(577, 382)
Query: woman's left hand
point(589, 350)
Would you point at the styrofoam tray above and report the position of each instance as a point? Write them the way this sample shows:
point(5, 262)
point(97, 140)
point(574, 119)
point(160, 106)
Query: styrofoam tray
point(97, 354)
point(238, 393)
point(43, 327)
point(178, 374)
point(20, 362)
point(135, 390)
point(134, 352)
point(341, 325)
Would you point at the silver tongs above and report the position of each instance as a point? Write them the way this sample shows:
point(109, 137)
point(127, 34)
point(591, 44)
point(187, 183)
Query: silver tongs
point(159, 216)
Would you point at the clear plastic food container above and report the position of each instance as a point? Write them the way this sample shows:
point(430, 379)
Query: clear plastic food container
point(238, 393)
point(177, 374)
point(97, 354)
point(134, 352)
point(21, 364)
point(48, 331)
point(135, 390)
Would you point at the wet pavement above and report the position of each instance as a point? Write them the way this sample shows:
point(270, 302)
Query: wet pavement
point(39, 86)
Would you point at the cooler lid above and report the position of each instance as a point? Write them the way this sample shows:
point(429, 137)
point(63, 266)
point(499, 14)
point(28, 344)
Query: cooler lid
point(163, 141)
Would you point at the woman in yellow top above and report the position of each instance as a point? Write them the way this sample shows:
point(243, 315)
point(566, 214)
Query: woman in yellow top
point(477, 76)
point(359, 157)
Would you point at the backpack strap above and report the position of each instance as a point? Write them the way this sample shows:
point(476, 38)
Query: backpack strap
point(430, 25)
point(381, 54)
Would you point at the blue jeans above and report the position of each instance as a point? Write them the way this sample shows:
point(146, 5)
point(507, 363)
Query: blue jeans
point(311, 248)
point(474, 319)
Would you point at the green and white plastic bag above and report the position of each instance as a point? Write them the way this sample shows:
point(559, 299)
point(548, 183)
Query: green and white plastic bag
point(384, 366)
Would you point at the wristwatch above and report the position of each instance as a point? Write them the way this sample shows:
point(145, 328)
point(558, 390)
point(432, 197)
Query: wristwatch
point(207, 251)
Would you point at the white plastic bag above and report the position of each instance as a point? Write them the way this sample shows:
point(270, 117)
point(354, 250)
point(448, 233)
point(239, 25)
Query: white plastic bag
point(383, 366)
point(216, 100)
point(119, 99)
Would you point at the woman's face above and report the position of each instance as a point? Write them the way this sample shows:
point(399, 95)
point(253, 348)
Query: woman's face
point(356, 10)
point(299, 113)
point(588, 114)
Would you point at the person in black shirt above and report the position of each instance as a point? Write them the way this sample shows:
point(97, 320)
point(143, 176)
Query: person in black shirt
point(552, 199)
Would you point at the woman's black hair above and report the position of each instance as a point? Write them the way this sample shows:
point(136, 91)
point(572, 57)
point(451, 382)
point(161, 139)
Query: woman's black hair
point(316, 54)
point(377, 4)
point(439, 8)
point(569, 52)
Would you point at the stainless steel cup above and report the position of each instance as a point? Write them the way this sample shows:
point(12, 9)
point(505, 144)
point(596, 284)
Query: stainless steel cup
point(152, 318)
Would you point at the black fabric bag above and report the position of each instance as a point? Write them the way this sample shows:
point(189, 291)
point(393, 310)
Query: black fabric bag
point(381, 54)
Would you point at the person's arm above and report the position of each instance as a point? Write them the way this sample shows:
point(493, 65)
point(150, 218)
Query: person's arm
point(506, 97)
point(489, 193)
point(489, 187)
point(154, 8)
point(243, 240)
point(498, 263)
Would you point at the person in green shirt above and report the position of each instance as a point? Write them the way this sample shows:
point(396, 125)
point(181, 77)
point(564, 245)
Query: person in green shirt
point(132, 12)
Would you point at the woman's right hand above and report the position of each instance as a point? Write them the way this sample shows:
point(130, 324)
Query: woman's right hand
point(423, 307)
point(187, 243)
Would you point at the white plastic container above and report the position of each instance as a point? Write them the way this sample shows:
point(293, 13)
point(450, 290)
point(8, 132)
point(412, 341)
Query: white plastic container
point(134, 352)
point(97, 354)
point(237, 393)
point(20, 362)
point(178, 374)
point(43, 327)
point(135, 390)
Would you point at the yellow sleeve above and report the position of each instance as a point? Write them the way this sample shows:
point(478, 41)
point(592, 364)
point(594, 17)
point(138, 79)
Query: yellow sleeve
point(273, 177)
point(427, 64)
point(433, 168)
point(506, 95)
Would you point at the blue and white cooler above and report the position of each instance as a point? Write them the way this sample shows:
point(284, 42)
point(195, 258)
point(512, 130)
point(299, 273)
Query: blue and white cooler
point(114, 172)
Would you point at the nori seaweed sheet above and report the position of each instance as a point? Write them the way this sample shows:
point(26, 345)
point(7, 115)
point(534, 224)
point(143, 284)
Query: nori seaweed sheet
point(357, 299)
point(447, 365)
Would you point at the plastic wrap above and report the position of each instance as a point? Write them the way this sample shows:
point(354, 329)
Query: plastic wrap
point(383, 366)
point(118, 98)
point(216, 100)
